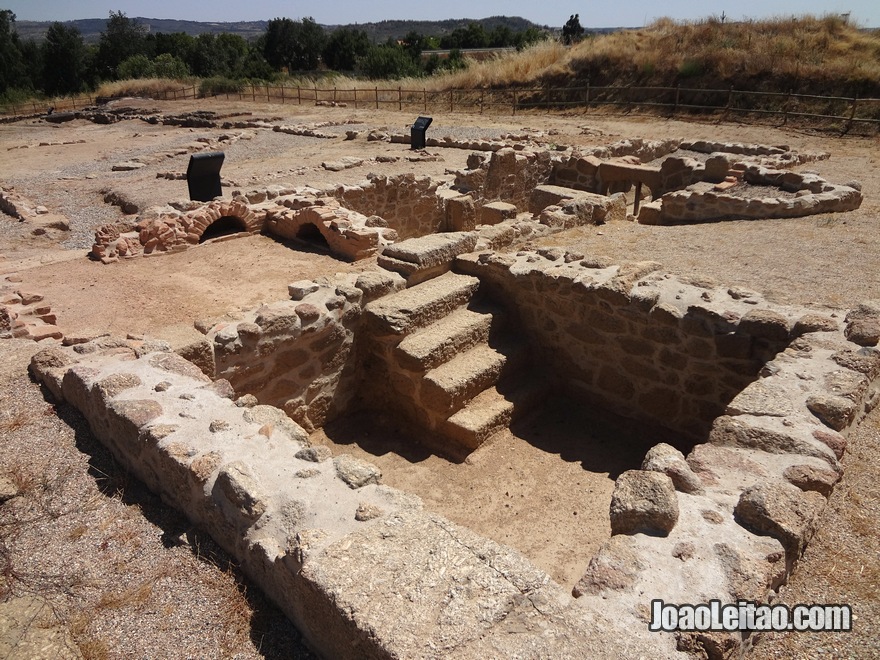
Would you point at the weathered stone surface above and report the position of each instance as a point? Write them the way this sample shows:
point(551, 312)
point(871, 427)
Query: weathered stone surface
point(614, 568)
point(366, 511)
point(833, 440)
point(863, 324)
point(765, 323)
point(237, 484)
point(201, 354)
point(378, 283)
point(763, 397)
point(865, 360)
point(263, 415)
point(29, 629)
point(643, 502)
point(814, 323)
point(222, 388)
point(316, 454)
point(836, 412)
point(113, 385)
point(671, 462)
point(808, 477)
point(356, 473)
point(432, 250)
point(173, 363)
point(780, 510)
point(864, 332)
point(137, 412)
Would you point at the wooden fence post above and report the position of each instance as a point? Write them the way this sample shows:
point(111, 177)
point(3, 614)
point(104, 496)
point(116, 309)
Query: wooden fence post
point(299, 95)
point(425, 99)
point(852, 114)
point(355, 93)
point(282, 93)
point(482, 91)
point(786, 107)
point(334, 94)
point(399, 98)
point(675, 106)
point(377, 98)
point(514, 102)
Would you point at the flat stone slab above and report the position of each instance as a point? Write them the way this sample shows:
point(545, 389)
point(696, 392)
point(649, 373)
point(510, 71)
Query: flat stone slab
point(434, 249)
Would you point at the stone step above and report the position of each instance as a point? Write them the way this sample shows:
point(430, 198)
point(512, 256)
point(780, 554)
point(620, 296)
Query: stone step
point(420, 305)
point(447, 388)
point(444, 339)
point(494, 409)
point(419, 259)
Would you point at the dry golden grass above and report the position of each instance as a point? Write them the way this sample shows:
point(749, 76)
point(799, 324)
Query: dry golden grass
point(146, 87)
point(803, 50)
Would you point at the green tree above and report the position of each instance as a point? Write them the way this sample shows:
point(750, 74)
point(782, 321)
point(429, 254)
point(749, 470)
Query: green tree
point(13, 72)
point(123, 38)
point(344, 48)
point(572, 32)
point(135, 67)
point(415, 43)
point(295, 45)
point(64, 60)
point(168, 66)
point(177, 44)
point(388, 62)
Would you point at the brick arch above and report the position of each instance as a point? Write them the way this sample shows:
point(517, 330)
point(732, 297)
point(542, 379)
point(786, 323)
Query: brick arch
point(213, 211)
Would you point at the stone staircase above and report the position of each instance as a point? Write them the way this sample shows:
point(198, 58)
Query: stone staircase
point(453, 364)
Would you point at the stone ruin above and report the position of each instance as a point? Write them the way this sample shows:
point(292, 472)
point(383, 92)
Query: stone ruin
point(512, 191)
point(753, 404)
point(756, 402)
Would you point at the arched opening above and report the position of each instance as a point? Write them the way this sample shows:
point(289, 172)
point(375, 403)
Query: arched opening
point(225, 226)
point(309, 233)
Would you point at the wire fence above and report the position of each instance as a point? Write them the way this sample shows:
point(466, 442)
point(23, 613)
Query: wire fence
point(845, 112)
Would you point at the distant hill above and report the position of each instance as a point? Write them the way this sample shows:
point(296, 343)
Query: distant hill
point(381, 31)
point(91, 28)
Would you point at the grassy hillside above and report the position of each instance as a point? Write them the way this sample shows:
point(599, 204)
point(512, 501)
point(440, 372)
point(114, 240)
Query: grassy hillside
point(806, 54)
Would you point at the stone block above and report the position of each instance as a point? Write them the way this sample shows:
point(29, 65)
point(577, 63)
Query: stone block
point(643, 502)
point(495, 212)
point(461, 214)
point(780, 510)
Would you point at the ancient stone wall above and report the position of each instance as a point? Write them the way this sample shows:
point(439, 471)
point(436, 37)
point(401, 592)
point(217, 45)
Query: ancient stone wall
point(635, 340)
point(808, 194)
point(298, 354)
point(407, 203)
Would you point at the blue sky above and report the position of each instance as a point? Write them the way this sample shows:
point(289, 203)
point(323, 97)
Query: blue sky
point(634, 13)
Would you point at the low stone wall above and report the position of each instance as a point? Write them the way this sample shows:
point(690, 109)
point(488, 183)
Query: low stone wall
point(813, 195)
point(407, 203)
point(298, 354)
point(633, 339)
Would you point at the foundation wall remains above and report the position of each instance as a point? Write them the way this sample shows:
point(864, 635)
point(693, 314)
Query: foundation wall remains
point(809, 195)
point(408, 204)
point(365, 572)
point(299, 354)
point(636, 340)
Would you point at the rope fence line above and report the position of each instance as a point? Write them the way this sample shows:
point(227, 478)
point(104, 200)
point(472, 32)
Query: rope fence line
point(676, 100)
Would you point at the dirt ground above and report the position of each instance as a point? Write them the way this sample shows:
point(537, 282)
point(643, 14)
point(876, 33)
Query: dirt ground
point(542, 488)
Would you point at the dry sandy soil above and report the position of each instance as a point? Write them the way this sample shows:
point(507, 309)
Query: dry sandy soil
point(125, 577)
